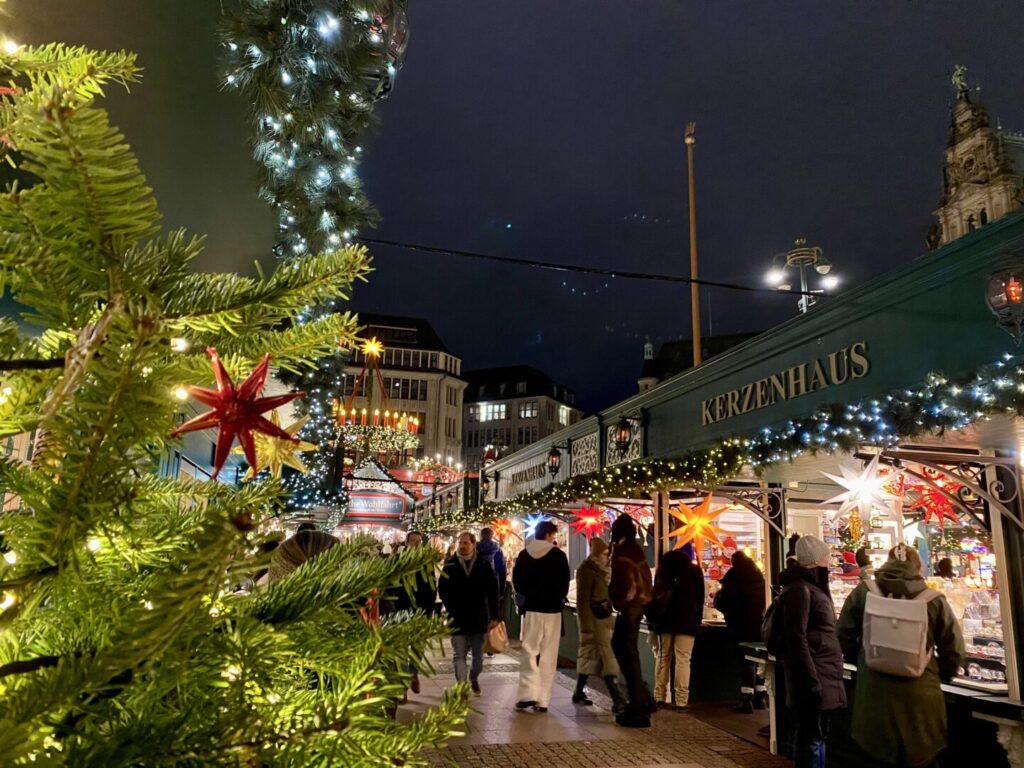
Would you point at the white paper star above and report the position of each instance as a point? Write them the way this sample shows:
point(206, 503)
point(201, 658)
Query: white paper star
point(865, 491)
point(912, 532)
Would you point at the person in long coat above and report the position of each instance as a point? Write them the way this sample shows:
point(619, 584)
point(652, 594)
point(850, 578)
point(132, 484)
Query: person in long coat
point(595, 655)
point(678, 611)
point(901, 720)
point(742, 601)
point(813, 660)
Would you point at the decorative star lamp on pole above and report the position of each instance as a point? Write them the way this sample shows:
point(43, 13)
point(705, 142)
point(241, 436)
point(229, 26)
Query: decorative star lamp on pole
point(372, 433)
point(865, 492)
point(697, 524)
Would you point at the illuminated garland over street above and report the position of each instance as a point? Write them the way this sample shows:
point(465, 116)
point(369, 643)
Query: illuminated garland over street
point(379, 439)
point(937, 406)
point(311, 70)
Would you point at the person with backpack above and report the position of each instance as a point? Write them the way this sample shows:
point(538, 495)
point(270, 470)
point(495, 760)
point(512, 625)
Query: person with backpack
point(675, 614)
point(899, 710)
point(742, 600)
point(630, 591)
point(594, 616)
point(800, 629)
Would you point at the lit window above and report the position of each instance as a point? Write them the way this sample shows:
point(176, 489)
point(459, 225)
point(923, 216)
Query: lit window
point(528, 410)
point(563, 415)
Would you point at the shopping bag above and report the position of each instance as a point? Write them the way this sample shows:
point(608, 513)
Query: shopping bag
point(497, 639)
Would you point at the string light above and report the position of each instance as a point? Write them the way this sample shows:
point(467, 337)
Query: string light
point(179, 344)
point(93, 545)
point(11, 557)
point(181, 393)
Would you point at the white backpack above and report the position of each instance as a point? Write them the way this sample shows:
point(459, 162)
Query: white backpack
point(895, 635)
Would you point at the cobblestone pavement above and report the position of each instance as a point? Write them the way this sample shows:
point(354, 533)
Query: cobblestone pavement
point(571, 736)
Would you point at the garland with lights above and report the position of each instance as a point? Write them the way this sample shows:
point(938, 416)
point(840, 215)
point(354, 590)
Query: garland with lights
point(312, 72)
point(940, 404)
point(379, 439)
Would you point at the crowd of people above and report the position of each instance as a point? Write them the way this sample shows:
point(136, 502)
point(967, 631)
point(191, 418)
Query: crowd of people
point(899, 714)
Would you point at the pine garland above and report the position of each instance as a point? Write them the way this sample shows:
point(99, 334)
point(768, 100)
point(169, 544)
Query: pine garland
point(938, 405)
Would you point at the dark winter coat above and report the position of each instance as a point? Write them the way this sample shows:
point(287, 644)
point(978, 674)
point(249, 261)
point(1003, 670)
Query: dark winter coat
point(813, 661)
point(471, 600)
point(491, 551)
point(901, 715)
point(424, 594)
point(630, 586)
point(595, 653)
point(541, 577)
point(680, 585)
point(742, 601)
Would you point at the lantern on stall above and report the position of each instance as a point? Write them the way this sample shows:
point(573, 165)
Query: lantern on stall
point(1004, 296)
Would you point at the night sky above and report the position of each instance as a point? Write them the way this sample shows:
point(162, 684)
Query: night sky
point(553, 131)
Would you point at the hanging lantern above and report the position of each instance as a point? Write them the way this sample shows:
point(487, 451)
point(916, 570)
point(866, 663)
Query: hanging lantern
point(623, 435)
point(1005, 298)
point(554, 461)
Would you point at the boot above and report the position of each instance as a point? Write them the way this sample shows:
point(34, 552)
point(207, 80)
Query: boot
point(618, 700)
point(579, 696)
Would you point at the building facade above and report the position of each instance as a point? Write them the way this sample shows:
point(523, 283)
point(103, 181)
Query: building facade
point(421, 376)
point(981, 170)
point(511, 407)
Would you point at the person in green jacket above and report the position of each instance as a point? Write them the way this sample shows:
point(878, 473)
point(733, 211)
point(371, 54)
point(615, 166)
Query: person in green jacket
point(901, 720)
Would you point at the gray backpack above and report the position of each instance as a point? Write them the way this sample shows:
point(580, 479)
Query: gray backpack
point(895, 635)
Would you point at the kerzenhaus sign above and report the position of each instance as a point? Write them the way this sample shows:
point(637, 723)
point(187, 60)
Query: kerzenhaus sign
point(837, 368)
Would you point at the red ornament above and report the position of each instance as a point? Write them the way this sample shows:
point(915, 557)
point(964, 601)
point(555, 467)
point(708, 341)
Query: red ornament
point(934, 504)
point(589, 521)
point(237, 412)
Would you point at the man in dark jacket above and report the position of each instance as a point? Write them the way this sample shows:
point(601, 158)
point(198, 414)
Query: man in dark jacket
point(679, 601)
point(630, 591)
point(541, 577)
point(742, 600)
point(469, 591)
point(423, 598)
point(813, 660)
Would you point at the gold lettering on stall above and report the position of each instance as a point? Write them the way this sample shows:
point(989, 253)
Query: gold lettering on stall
point(832, 370)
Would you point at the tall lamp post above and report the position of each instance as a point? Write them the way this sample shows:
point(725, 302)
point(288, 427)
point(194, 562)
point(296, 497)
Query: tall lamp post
point(690, 138)
point(801, 258)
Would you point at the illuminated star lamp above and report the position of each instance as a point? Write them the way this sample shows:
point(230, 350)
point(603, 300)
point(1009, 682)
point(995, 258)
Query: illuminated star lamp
point(275, 453)
point(697, 524)
point(589, 521)
point(865, 492)
point(502, 528)
point(935, 507)
point(530, 523)
point(237, 411)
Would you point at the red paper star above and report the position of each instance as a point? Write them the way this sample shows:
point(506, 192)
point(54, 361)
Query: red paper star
point(237, 411)
point(934, 504)
point(589, 521)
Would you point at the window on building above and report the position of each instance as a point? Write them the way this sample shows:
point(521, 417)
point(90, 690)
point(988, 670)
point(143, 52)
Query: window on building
point(521, 388)
point(519, 437)
point(563, 415)
point(550, 411)
point(404, 393)
point(473, 413)
point(494, 411)
point(533, 434)
point(433, 359)
point(528, 410)
point(501, 388)
point(414, 389)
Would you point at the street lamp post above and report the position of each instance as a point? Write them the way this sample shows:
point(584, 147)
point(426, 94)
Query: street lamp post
point(801, 258)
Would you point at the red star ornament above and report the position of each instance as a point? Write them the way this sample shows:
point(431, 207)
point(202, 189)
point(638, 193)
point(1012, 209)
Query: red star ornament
point(237, 411)
point(934, 505)
point(589, 521)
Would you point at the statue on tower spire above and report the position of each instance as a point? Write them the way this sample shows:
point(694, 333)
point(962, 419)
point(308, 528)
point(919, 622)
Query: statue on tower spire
point(959, 80)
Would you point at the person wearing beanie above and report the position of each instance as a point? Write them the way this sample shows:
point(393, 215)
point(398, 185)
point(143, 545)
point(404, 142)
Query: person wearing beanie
point(594, 615)
point(742, 601)
point(630, 592)
point(541, 576)
point(812, 659)
point(675, 614)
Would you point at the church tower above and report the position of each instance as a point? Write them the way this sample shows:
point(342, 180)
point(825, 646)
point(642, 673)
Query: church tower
point(981, 172)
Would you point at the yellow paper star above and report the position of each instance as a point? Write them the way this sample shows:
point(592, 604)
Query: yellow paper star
point(275, 453)
point(697, 525)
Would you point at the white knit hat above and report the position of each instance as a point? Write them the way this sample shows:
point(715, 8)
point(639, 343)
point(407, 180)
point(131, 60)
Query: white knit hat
point(810, 550)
